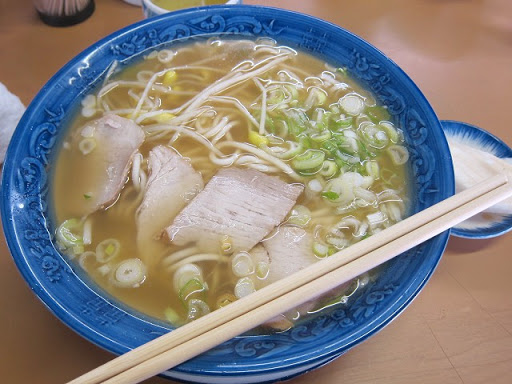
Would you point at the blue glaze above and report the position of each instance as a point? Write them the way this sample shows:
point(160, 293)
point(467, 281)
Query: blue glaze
point(480, 226)
point(27, 212)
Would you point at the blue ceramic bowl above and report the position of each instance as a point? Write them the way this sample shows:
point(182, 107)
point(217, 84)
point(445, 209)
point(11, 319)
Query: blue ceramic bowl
point(27, 212)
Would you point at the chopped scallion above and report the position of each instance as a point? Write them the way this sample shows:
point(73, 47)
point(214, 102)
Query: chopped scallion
point(378, 113)
point(172, 316)
point(192, 287)
point(68, 237)
point(196, 309)
point(87, 145)
point(330, 195)
point(311, 159)
point(107, 250)
point(329, 169)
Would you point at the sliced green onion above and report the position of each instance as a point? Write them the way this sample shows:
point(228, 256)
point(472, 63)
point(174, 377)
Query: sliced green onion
point(193, 286)
point(320, 250)
point(340, 146)
point(330, 195)
point(242, 264)
point(276, 96)
point(352, 104)
point(87, 232)
point(335, 108)
point(376, 218)
point(329, 169)
point(87, 261)
point(130, 273)
point(309, 160)
point(172, 316)
point(225, 299)
point(337, 242)
point(244, 287)
point(283, 153)
point(373, 135)
point(316, 97)
point(399, 154)
point(342, 71)
point(89, 101)
point(320, 137)
point(278, 127)
point(226, 245)
point(107, 250)
point(185, 273)
point(378, 113)
point(88, 130)
point(344, 159)
point(262, 270)
point(298, 121)
point(343, 123)
point(315, 185)
point(391, 131)
point(87, 145)
point(78, 249)
point(321, 118)
point(294, 91)
point(68, 237)
point(196, 309)
point(299, 215)
point(372, 169)
point(104, 269)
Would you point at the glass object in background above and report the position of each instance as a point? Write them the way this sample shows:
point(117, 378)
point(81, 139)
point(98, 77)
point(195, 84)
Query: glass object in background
point(137, 3)
point(63, 13)
point(158, 7)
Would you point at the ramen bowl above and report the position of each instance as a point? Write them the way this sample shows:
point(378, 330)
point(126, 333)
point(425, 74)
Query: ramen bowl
point(28, 213)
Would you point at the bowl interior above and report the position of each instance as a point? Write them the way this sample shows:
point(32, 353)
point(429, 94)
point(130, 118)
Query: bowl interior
point(27, 208)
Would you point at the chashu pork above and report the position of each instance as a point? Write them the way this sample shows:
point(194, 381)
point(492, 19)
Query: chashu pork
point(111, 142)
point(290, 249)
point(171, 184)
point(243, 204)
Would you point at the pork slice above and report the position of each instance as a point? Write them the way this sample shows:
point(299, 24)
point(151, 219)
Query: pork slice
point(243, 204)
point(114, 141)
point(171, 184)
point(290, 249)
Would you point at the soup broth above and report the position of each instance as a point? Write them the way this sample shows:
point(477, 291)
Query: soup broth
point(230, 104)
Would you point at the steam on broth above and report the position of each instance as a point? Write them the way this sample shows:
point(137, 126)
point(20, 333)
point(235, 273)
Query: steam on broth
point(227, 125)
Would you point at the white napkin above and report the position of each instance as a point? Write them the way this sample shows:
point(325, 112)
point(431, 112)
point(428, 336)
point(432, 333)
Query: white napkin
point(472, 166)
point(11, 110)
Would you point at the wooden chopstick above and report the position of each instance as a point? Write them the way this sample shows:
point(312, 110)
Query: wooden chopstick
point(196, 337)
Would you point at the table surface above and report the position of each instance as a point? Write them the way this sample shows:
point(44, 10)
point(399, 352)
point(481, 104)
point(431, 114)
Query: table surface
point(459, 328)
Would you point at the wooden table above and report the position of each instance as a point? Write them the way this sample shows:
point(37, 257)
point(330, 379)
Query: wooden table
point(458, 330)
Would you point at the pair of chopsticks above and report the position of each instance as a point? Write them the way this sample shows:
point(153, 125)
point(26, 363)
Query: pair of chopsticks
point(242, 315)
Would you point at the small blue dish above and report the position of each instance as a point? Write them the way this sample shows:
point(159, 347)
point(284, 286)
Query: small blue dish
point(483, 225)
point(27, 207)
